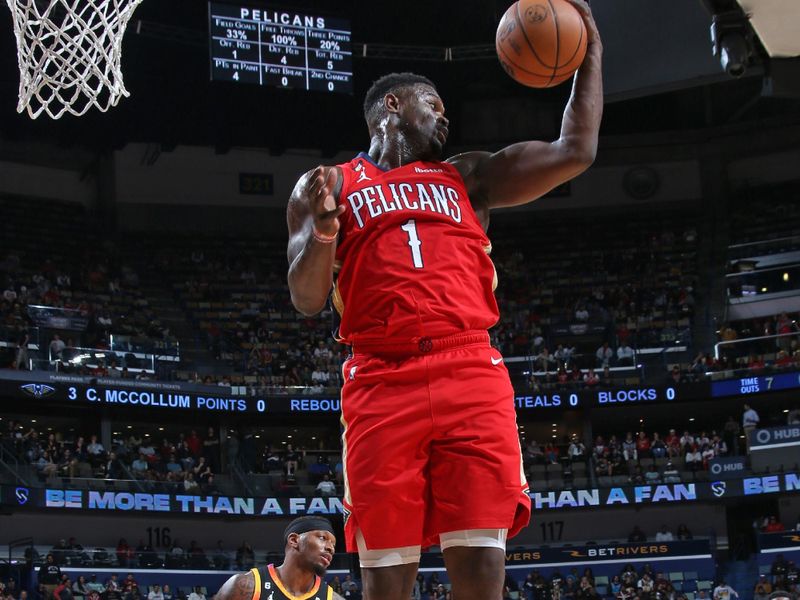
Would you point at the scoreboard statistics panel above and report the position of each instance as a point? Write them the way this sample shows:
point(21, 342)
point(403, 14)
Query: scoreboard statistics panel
point(280, 48)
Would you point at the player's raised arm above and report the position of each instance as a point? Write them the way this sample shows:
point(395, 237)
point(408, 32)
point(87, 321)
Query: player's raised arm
point(239, 587)
point(312, 218)
point(525, 171)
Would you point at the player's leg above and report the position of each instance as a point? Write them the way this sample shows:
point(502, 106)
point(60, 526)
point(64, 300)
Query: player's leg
point(475, 573)
point(387, 574)
point(478, 487)
point(386, 436)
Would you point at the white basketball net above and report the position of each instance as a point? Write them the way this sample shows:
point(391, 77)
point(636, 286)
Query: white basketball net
point(69, 54)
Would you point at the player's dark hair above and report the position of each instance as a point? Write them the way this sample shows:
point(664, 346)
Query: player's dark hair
point(390, 83)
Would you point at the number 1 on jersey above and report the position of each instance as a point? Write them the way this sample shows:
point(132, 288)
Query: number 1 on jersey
point(410, 227)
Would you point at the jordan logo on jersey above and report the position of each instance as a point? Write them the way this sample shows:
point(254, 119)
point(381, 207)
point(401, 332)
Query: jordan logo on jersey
point(362, 173)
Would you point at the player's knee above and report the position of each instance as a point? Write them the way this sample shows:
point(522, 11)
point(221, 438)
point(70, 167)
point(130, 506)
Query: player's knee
point(475, 568)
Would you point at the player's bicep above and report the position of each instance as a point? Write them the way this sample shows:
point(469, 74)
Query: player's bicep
point(523, 172)
point(238, 587)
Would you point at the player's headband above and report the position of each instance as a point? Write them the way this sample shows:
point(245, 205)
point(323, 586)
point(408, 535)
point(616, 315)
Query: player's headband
point(306, 524)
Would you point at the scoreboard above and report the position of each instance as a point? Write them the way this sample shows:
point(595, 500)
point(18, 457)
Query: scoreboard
point(280, 48)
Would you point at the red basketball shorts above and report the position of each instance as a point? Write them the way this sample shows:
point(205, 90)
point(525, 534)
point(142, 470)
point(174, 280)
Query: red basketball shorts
point(430, 442)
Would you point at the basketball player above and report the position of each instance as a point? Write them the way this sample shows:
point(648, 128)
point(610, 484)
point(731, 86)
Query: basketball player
point(310, 544)
point(431, 452)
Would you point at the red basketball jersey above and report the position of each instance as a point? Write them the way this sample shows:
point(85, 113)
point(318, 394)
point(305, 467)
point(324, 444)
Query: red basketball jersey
point(413, 259)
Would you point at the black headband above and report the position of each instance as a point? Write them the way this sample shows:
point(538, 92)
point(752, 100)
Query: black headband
point(306, 524)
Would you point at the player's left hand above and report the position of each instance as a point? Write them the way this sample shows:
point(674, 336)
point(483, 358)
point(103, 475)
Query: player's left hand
point(593, 36)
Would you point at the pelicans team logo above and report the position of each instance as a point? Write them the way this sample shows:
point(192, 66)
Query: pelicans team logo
point(37, 390)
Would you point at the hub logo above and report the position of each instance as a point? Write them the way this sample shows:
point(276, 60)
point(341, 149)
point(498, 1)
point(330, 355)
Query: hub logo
point(763, 436)
point(37, 390)
point(718, 488)
point(22, 494)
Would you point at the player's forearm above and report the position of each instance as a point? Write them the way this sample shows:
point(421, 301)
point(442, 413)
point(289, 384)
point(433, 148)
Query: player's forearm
point(311, 274)
point(580, 127)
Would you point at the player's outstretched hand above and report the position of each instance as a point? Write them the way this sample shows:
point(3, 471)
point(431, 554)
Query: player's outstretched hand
point(322, 202)
point(591, 27)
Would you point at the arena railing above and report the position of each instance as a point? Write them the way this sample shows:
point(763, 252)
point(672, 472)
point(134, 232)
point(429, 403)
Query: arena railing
point(95, 358)
point(162, 349)
point(772, 349)
point(763, 248)
point(774, 282)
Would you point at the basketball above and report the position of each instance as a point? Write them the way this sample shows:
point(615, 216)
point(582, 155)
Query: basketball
point(541, 43)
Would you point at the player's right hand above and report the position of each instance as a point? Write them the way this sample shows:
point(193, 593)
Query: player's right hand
point(322, 201)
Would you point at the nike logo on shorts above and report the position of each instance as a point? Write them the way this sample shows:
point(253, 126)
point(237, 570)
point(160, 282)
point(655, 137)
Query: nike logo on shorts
point(496, 361)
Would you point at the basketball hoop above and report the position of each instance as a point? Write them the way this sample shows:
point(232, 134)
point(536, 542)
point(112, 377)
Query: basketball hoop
point(70, 54)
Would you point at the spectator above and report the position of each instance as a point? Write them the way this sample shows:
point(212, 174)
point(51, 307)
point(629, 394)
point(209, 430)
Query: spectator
point(577, 450)
point(94, 586)
point(350, 588)
point(291, 459)
point(637, 535)
point(220, 557)
point(586, 590)
point(779, 567)
point(604, 355)
point(664, 535)
point(63, 591)
point(130, 587)
point(166, 591)
point(211, 450)
point(551, 453)
point(643, 445)
point(95, 449)
point(140, 466)
point(629, 448)
point(670, 473)
point(113, 586)
point(731, 432)
point(80, 589)
point(245, 557)
point(646, 583)
point(707, 453)
point(750, 420)
point(602, 467)
point(197, 594)
point(637, 478)
point(625, 356)
point(658, 448)
point(155, 593)
point(723, 591)
point(673, 443)
point(49, 575)
point(683, 532)
point(774, 525)
point(57, 346)
point(326, 487)
point(762, 589)
point(694, 458)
